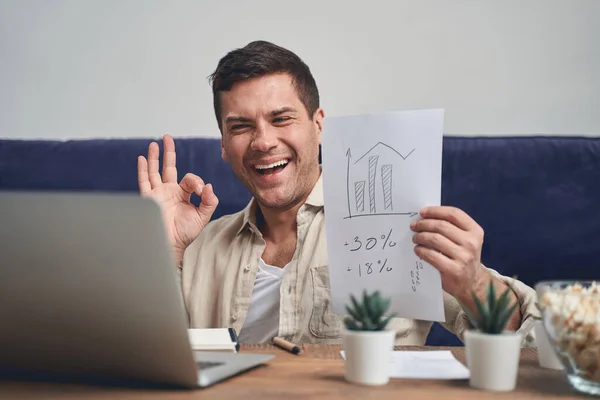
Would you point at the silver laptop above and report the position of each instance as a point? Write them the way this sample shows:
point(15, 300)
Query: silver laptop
point(88, 290)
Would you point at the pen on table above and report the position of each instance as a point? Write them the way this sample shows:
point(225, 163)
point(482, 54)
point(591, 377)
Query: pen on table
point(284, 344)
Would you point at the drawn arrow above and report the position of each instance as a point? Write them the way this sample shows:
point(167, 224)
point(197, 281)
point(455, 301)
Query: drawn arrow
point(348, 156)
point(409, 214)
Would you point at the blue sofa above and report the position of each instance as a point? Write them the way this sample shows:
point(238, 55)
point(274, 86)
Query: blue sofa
point(537, 198)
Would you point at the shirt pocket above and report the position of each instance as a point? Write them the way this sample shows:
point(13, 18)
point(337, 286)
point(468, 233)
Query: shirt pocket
point(324, 323)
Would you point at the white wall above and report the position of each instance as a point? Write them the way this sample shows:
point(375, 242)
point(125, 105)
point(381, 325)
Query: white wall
point(114, 68)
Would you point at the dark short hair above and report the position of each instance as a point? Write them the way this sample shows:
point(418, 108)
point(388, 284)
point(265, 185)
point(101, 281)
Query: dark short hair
point(261, 58)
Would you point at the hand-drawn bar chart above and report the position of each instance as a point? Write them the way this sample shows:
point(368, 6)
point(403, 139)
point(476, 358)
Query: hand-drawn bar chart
point(370, 181)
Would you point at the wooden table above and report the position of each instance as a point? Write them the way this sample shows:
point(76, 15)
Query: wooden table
point(318, 372)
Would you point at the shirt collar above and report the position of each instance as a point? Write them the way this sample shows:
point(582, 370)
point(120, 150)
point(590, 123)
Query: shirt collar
point(315, 198)
point(249, 217)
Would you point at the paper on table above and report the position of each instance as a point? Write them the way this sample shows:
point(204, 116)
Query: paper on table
point(211, 339)
point(426, 365)
point(379, 170)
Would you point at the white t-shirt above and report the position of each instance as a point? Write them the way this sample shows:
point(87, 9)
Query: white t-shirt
point(262, 320)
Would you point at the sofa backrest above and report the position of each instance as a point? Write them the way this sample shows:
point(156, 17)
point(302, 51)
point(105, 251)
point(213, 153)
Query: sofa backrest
point(537, 198)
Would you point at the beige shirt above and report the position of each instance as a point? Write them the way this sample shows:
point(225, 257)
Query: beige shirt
point(220, 266)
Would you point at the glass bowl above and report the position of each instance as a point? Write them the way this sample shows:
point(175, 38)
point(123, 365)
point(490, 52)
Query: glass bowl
point(570, 312)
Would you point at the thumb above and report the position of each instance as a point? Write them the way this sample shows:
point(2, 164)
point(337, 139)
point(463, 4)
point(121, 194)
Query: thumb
point(208, 204)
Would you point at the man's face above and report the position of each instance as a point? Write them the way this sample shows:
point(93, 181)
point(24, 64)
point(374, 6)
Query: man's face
point(270, 140)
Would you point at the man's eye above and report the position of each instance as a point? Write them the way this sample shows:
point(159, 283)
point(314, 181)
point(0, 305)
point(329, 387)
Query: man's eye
point(238, 127)
point(279, 120)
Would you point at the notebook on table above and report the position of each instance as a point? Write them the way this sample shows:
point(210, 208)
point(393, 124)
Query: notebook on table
point(217, 339)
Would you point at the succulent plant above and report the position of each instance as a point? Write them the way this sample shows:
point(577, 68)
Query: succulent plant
point(369, 313)
point(493, 313)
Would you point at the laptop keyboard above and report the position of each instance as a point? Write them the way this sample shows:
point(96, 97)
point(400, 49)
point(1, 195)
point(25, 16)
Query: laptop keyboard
point(208, 364)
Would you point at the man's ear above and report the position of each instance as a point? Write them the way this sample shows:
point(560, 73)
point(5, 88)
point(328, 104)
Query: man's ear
point(319, 115)
point(223, 152)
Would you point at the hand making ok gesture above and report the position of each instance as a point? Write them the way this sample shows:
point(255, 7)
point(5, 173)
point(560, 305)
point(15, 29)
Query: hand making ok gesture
point(183, 220)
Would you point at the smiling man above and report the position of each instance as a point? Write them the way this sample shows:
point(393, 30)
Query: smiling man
point(264, 270)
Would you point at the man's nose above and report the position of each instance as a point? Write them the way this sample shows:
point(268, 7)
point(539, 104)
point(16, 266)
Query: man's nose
point(265, 138)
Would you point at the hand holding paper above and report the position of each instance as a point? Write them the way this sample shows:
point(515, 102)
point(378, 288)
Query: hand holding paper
point(451, 241)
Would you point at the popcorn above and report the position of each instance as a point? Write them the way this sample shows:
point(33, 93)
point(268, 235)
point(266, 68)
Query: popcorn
point(572, 319)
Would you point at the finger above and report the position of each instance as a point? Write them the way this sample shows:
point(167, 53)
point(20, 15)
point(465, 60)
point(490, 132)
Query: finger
point(153, 174)
point(444, 228)
point(436, 259)
point(192, 183)
point(436, 241)
point(208, 204)
point(169, 172)
point(454, 215)
point(143, 182)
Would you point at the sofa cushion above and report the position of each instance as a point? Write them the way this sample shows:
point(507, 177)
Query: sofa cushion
point(110, 165)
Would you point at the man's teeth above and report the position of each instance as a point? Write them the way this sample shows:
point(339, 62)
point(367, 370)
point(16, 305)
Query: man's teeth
point(275, 164)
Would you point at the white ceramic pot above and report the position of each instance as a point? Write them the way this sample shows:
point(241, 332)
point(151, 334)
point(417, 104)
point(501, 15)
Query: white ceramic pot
point(368, 356)
point(546, 356)
point(493, 360)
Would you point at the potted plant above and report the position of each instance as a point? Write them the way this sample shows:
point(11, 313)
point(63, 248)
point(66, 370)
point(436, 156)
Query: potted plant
point(368, 345)
point(492, 353)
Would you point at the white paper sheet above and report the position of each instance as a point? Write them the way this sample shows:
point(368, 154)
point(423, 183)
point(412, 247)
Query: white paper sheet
point(379, 170)
point(426, 365)
point(210, 338)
